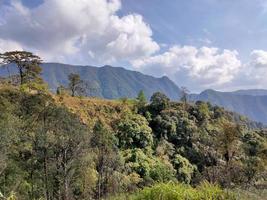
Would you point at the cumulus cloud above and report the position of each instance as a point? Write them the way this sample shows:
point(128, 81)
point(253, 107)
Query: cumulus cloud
point(92, 32)
point(204, 68)
point(85, 30)
point(254, 73)
point(197, 67)
point(258, 59)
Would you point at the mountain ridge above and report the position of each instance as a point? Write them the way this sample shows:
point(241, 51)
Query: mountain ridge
point(107, 81)
point(116, 82)
point(253, 106)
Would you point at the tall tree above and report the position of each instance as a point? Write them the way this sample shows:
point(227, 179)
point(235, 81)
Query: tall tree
point(229, 147)
point(141, 97)
point(141, 101)
point(184, 97)
point(159, 101)
point(76, 85)
point(26, 62)
point(107, 158)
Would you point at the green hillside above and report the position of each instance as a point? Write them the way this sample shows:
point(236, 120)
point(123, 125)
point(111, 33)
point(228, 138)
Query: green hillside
point(87, 148)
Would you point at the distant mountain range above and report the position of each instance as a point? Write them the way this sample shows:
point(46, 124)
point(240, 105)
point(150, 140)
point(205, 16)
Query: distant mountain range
point(116, 82)
point(107, 82)
point(252, 103)
point(254, 92)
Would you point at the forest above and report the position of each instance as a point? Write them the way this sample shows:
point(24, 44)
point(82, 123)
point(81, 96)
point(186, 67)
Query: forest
point(67, 146)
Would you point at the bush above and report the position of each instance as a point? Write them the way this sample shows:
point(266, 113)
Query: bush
point(171, 191)
point(184, 169)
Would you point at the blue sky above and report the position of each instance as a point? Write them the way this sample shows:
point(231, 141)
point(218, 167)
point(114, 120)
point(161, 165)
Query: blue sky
point(201, 44)
point(228, 24)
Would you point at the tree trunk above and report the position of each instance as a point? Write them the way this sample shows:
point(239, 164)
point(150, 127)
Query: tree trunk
point(46, 175)
point(65, 178)
point(21, 75)
point(31, 178)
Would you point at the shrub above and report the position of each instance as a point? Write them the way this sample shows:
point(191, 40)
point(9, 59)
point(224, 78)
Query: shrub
point(171, 191)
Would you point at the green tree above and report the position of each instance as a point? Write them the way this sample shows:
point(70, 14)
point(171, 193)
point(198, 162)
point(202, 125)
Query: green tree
point(149, 168)
point(184, 169)
point(76, 85)
point(134, 132)
point(107, 159)
point(141, 101)
point(203, 112)
point(255, 162)
point(184, 96)
point(229, 147)
point(71, 137)
point(26, 62)
point(10, 127)
point(159, 102)
point(227, 140)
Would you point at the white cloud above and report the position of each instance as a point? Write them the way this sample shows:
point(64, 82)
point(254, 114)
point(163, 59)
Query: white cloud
point(195, 67)
point(92, 32)
point(258, 59)
point(134, 37)
point(6, 45)
point(79, 30)
point(254, 73)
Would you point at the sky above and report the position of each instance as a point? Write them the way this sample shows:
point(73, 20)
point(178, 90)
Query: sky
point(200, 44)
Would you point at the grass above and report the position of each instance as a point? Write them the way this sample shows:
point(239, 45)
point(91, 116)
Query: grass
point(92, 109)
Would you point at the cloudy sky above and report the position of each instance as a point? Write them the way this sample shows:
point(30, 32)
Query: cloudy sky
point(201, 44)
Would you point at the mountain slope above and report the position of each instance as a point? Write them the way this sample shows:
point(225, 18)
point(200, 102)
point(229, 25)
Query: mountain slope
point(116, 82)
point(252, 92)
point(255, 107)
point(107, 82)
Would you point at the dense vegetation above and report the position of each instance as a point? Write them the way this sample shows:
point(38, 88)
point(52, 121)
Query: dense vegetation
point(68, 147)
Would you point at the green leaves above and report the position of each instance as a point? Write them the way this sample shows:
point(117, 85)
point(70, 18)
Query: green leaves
point(134, 132)
point(184, 169)
point(159, 102)
point(49, 152)
point(172, 191)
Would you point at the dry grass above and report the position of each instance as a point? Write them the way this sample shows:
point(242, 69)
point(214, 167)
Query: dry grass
point(92, 109)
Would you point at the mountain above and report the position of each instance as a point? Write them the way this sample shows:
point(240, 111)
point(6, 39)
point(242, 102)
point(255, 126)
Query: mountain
point(106, 82)
point(252, 103)
point(116, 82)
point(253, 92)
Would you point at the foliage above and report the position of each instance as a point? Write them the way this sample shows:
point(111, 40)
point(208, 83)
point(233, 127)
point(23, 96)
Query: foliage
point(149, 168)
point(134, 132)
point(76, 85)
point(184, 169)
point(159, 101)
point(204, 191)
point(26, 62)
point(141, 101)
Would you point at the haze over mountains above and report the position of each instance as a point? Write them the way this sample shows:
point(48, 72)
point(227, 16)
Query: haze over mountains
point(116, 82)
point(252, 103)
point(107, 82)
